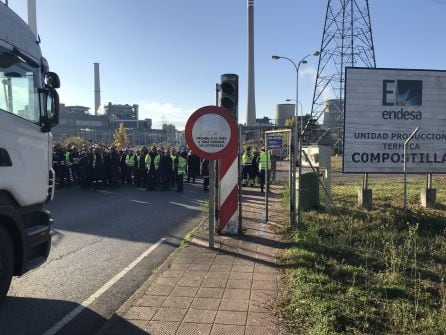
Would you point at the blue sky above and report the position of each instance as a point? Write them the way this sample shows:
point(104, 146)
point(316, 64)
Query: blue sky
point(167, 55)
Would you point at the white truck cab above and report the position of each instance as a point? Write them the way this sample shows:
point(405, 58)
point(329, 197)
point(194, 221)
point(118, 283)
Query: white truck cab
point(29, 107)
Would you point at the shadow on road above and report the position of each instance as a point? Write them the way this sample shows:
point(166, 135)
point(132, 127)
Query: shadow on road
point(44, 312)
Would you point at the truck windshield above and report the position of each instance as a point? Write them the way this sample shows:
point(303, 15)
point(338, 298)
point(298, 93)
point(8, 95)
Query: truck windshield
point(18, 87)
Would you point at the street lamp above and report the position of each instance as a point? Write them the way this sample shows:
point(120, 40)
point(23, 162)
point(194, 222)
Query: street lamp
point(296, 143)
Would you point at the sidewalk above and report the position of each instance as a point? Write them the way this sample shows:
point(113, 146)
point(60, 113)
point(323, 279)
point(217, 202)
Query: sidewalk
point(229, 290)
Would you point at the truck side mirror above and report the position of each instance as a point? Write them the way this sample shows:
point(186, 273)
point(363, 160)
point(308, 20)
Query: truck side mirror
point(52, 80)
point(51, 104)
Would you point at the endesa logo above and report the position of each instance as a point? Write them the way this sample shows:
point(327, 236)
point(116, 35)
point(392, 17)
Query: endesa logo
point(403, 93)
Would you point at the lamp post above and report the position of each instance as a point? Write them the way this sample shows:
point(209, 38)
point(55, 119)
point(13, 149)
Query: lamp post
point(297, 144)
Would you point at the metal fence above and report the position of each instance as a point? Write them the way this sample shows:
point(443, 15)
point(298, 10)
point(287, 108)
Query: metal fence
point(387, 191)
point(275, 179)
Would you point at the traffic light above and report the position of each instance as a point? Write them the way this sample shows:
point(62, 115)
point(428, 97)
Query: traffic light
point(229, 93)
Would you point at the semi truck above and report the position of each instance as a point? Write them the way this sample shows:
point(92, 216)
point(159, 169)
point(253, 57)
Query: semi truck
point(29, 108)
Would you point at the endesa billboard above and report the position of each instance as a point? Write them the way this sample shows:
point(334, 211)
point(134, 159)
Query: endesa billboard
point(382, 108)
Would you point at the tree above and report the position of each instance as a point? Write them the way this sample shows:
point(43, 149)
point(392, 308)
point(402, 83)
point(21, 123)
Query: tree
point(120, 137)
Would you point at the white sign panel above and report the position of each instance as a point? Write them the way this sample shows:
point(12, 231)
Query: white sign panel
point(382, 108)
point(211, 133)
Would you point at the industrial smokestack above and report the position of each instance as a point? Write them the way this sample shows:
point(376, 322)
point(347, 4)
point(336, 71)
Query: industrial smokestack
point(97, 89)
point(32, 16)
point(251, 108)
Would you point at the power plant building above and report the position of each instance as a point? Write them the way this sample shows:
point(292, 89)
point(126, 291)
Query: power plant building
point(283, 113)
point(77, 121)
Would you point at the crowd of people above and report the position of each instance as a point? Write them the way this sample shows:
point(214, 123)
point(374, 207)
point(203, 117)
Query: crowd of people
point(98, 166)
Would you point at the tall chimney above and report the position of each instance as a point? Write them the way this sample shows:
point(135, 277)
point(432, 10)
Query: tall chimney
point(251, 108)
point(32, 16)
point(97, 89)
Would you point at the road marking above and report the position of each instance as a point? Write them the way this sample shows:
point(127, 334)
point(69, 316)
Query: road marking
point(141, 202)
point(195, 208)
point(70, 316)
point(105, 192)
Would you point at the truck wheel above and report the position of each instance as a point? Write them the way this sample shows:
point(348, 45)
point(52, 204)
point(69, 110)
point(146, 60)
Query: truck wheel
point(6, 262)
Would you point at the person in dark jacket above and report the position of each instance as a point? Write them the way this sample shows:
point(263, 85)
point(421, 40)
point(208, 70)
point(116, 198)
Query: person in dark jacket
point(165, 170)
point(141, 171)
point(113, 160)
point(152, 164)
point(122, 166)
point(99, 173)
point(74, 161)
point(193, 166)
point(85, 170)
point(205, 174)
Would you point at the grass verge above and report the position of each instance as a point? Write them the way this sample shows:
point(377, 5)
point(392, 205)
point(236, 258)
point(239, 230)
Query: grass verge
point(370, 273)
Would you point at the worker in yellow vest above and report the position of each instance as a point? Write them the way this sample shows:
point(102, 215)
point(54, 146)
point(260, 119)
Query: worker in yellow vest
point(180, 164)
point(130, 161)
point(264, 164)
point(247, 175)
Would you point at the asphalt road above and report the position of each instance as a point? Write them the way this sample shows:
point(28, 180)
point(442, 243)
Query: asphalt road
point(97, 236)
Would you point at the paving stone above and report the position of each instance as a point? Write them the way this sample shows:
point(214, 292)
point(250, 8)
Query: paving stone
point(236, 293)
point(184, 291)
point(221, 268)
point(171, 281)
point(231, 318)
point(190, 282)
point(151, 300)
point(262, 320)
point(227, 330)
point(160, 290)
point(206, 303)
point(161, 328)
point(172, 273)
point(239, 283)
point(234, 305)
point(253, 330)
point(169, 314)
point(140, 313)
point(214, 282)
point(210, 292)
point(199, 267)
point(218, 275)
point(243, 268)
point(264, 285)
point(263, 295)
point(265, 268)
point(260, 306)
point(200, 316)
point(242, 261)
point(203, 260)
point(195, 274)
point(178, 302)
point(131, 327)
point(224, 259)
point(241, 275)
point(265, 276)
point(186, 259)
point(179, 266)
point(194, 329)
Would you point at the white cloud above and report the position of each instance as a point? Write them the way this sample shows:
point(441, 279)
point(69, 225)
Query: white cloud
point(163, 113)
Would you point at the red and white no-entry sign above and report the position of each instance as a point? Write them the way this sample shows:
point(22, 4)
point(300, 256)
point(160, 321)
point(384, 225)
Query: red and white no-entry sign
point(211, 132)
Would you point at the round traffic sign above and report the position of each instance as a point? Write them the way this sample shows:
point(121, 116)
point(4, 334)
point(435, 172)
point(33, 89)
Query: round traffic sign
point(211, 132)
